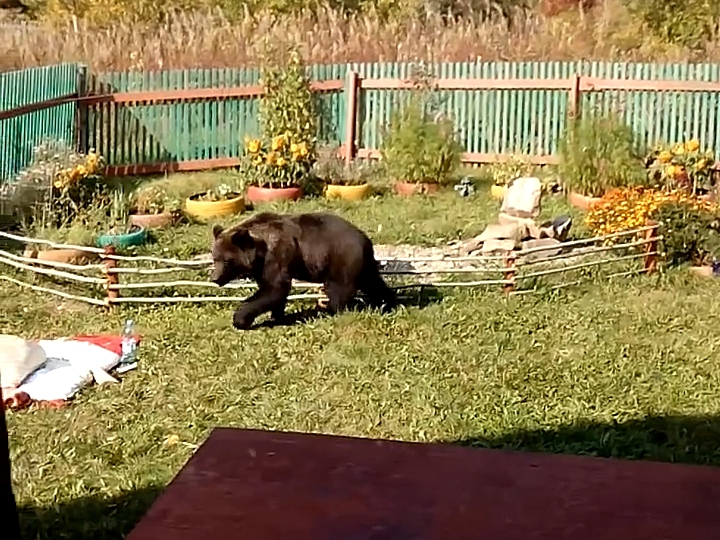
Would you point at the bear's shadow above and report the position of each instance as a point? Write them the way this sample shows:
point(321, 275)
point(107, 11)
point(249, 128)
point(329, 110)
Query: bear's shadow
point(412, 297)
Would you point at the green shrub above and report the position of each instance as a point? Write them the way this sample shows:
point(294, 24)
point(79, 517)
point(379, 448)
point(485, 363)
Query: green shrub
point(331, 169)
point(690, 234)
point(598, 153)
point(420, 144)
point(689, 23)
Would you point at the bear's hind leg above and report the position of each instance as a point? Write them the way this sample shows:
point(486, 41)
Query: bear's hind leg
point(339, 296)
point(378, 293)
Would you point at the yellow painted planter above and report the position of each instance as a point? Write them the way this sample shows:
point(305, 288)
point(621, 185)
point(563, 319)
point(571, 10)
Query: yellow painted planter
point(210, 209)
point(498, 192)
point(347, 193)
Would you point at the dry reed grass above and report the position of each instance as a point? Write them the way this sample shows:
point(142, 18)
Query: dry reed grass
point(209, 40)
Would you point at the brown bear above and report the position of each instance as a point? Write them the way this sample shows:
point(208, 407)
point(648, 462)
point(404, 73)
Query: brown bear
point(274, 249)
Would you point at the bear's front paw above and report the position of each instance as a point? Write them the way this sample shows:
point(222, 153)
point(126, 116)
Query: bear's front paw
point(241, 321)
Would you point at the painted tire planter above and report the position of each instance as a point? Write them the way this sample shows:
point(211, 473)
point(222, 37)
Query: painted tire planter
point(498, 192)
point(347, 193)
point(152, 221)
point(134, 238)
point(581, 201)
point(210, 209)
point(256, 194)
point(408, 189)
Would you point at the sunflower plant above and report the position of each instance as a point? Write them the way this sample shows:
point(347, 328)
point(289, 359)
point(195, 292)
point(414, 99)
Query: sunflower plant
point(284, 154)
point(682, 166)
point(278, 162)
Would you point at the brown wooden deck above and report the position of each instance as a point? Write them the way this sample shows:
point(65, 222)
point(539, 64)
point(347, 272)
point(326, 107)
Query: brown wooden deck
point(259, 485)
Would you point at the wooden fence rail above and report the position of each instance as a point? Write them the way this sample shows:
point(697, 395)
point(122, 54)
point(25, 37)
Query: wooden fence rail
point(193, 120)
point(111, 274)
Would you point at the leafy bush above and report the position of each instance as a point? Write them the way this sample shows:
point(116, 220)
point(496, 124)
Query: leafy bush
point(419, 146)
point(504, 172)
point(689, 225)
point(221, 192)
point(690, 234)
point(682, 166)
point(284, 155)
point(331, 169)
point(629, 208)
point(60, 185)
point(153, 199)
point(689, 23)
point(599, 153)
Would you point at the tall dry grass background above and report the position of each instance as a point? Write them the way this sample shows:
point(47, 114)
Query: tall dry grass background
point(326, 35)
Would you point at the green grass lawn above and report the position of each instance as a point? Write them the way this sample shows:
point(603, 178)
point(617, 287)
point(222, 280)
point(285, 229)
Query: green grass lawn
point(626, 368)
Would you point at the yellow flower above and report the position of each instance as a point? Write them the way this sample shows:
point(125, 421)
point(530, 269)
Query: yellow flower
point(693, 145)
point(58, 184)
point(679, 149)
point(303, 150)
point(665, 156)
point(271, 158)
point(281, 162)
point(253, 146)
point(293, 148)
point(278, 143)
point(670, 171)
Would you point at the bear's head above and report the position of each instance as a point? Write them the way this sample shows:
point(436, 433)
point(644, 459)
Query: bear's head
point(234, 254)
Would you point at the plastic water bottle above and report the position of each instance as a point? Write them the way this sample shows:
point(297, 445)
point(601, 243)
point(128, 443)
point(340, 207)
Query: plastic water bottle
point(128, 358)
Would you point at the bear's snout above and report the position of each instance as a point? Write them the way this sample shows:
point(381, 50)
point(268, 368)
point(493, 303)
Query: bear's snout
point(220, 278)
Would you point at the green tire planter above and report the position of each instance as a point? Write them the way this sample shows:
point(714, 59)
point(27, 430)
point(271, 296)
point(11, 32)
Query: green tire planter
point(135, 238)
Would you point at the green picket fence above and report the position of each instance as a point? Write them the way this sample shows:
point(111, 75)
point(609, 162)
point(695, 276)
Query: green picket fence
point(19, 135)
point(489, 121)
point(185, 131)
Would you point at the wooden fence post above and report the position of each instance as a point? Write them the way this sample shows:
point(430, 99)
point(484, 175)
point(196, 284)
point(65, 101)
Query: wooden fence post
point(650, 260)
point(111, 278)
point(351, 91)
point(510, 272)
point(574, 98)
point(81, 111)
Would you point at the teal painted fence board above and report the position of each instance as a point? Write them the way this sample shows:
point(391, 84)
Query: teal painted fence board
point(19, 135)
point(208, 129)
point(492, 121)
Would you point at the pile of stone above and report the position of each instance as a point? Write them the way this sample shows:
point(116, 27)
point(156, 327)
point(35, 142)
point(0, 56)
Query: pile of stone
point(516, 228)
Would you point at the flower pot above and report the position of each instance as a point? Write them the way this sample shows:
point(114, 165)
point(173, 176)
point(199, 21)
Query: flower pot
point(581, 201)
point(347, 193)
point(152, 221)
point(408, 189)
point(703, 271)
point(67, 256)
point(211, 209)
point(498, 192)
point(256, 194)
point(133, 238)
point(707, 197)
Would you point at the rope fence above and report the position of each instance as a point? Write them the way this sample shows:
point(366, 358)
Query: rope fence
point(508, 271)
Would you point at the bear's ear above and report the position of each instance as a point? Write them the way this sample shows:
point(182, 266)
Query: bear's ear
point(242, 240)
point(217, 230)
